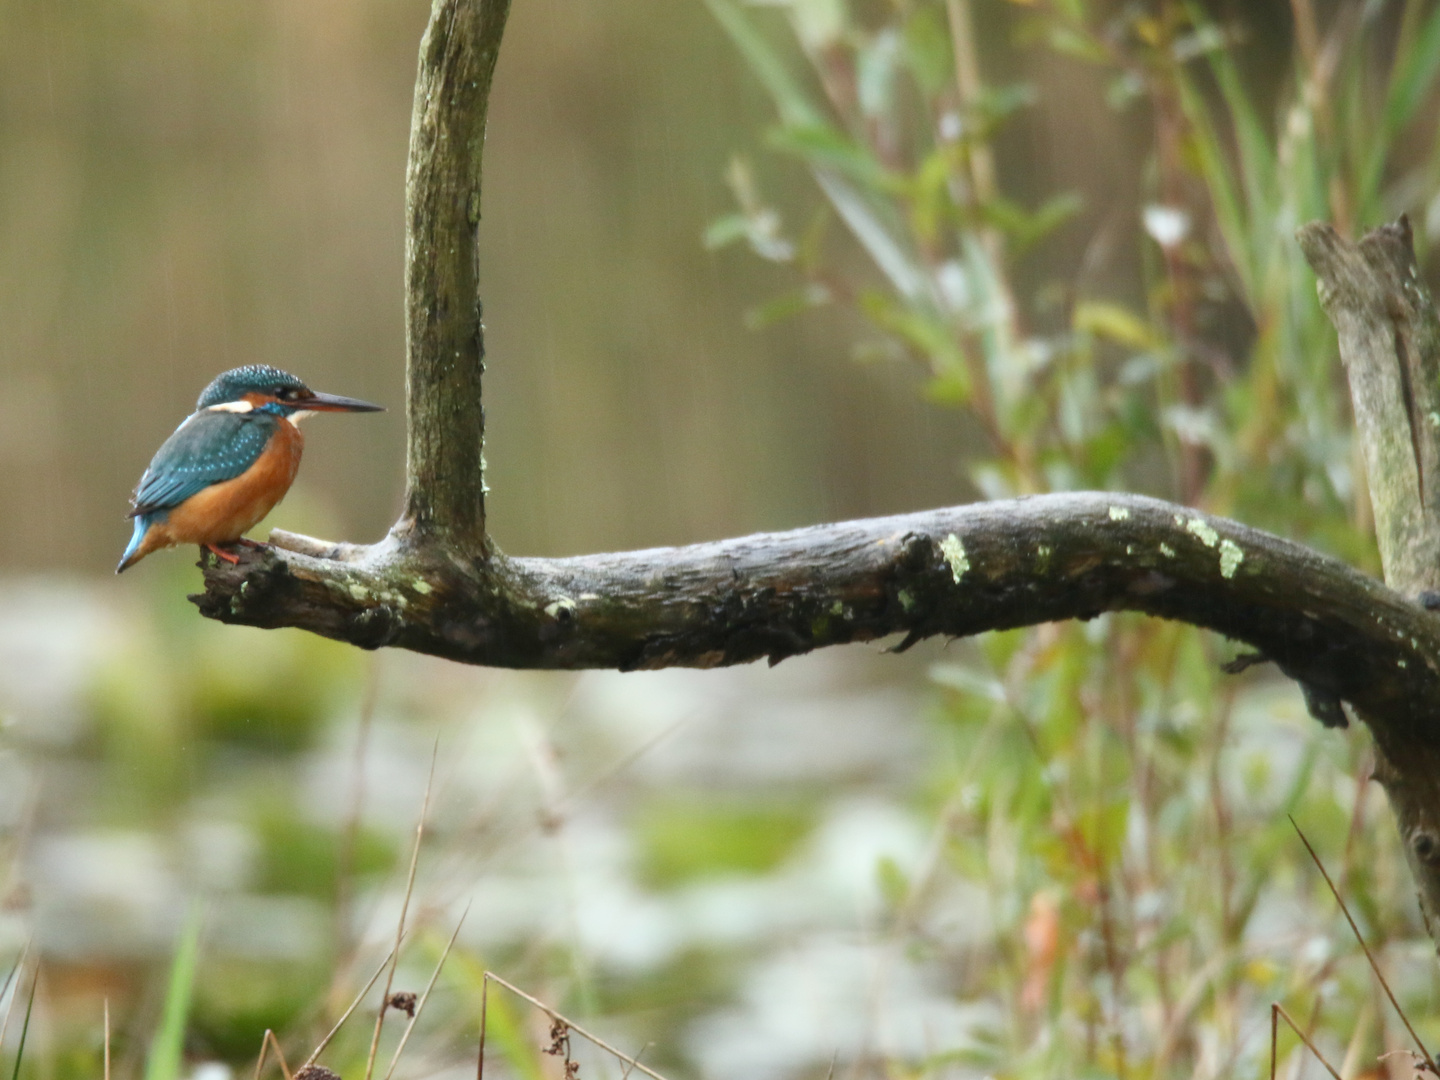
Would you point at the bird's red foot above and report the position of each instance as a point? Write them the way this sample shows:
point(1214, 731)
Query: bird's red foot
point(233, 560)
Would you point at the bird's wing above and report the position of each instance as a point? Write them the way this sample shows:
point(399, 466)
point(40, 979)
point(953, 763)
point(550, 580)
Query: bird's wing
point(208, 448)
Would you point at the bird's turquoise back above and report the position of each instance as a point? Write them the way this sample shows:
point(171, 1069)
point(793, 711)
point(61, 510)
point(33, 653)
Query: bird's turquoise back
point(208, 448)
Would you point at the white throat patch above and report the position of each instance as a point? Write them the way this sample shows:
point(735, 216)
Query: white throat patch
point(231, 406)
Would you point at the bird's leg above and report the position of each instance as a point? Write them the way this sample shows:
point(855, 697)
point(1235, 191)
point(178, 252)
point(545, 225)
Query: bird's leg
point(233, 560)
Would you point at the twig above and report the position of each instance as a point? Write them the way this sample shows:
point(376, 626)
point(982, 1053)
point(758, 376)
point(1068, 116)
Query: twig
point(420, 1005)
point(1276, 1011)
point(484, 1008)
point(268, 1040)
point(346, 1016)
point(404, 910)
point(548, 1011)
point(107, 1039)
point(631, 1068)
point(1375, 967)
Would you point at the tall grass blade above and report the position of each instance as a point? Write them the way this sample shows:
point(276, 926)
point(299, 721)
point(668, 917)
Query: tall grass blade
point(1413, 78)
point(168, 1046)
point(25, 1028)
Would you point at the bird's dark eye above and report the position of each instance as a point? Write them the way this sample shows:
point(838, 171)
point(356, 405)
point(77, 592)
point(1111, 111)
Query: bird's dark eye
point(285, 393)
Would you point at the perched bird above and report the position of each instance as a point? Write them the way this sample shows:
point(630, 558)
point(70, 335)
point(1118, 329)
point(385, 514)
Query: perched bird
point(228, 464)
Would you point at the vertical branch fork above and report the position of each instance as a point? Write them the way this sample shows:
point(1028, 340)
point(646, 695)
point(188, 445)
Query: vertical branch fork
point(445, 487)
point(1390, 343)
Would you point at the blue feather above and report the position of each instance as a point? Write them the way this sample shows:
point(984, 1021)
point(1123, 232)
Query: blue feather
point(208, 448)
point(142, 526)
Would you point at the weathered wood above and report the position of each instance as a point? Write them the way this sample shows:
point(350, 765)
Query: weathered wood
point(1390, 344)
point(445, 477)
point(1388, 333)
point(949, 572)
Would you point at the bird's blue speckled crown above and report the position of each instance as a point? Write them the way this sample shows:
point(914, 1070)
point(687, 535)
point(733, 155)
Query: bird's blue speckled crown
point(234, 384)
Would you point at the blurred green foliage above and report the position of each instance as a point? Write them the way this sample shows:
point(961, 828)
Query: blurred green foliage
point(683, 841)
point(1108, 788)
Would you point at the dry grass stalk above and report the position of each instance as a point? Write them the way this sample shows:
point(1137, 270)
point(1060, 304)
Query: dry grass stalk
point(1375, 967)
point(404, 911)
point(420, 1005)
point(1276, 1012)
point(266, 1042)
point(346, 1015)
point(559, 1019)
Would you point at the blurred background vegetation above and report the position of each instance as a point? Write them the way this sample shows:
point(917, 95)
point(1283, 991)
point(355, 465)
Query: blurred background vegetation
point(746, 265)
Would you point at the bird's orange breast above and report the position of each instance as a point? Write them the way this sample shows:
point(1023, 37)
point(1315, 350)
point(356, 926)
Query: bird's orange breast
point(224, 512)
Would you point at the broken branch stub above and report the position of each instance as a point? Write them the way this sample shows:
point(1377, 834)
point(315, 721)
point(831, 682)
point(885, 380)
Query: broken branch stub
point(1389, 338)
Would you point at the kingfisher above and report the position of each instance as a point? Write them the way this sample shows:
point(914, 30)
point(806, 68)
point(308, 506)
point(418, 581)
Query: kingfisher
point(228, 464)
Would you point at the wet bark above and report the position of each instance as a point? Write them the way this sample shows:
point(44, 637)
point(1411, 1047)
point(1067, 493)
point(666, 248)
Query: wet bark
point(1390, 344)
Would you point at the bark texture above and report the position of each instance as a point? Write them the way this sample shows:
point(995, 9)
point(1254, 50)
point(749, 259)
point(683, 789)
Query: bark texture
point(445, 472)
point(1390, 344)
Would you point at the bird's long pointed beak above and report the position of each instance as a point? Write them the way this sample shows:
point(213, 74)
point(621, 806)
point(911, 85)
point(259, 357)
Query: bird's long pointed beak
point(335, 403)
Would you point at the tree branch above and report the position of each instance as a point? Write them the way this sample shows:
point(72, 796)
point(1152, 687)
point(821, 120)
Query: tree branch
point(952, 572)
point(1390, 343)
point(445, 485)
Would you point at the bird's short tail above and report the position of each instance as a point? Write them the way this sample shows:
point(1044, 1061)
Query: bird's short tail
point(133, 554)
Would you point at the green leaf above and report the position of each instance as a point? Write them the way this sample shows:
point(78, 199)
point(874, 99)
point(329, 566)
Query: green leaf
point(1026, 228)
point(928, 50)
point(772, 72)
point(1113, 323)
point(1412, 80)
point(874, 224)
point(1413, 76)
point(823, 147)
point(926, 335)
point(786, 305)
point(168, 1044)
point(1070, 42)
point(724, 231)
point(876, 66)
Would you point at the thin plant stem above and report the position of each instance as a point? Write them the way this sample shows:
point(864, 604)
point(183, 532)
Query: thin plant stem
point(107, 1039)
point(484, 1009)
point(346, 1015)
point(404, 911)
point(1375, 967)
point(14, 971)
point(548, 1011)
point(267, 1041)
point(25, 1028)
point(1276, 1011)
point(424, 997)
